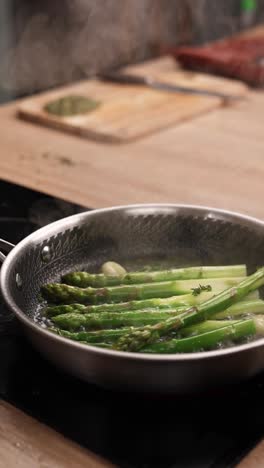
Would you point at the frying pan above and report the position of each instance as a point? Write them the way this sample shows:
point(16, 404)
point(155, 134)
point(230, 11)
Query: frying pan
point(134, 235)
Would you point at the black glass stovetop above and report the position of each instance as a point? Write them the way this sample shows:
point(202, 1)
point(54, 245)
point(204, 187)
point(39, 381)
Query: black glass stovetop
point(132, 431)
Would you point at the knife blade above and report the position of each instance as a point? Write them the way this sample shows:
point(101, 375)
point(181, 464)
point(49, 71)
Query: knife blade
point(129, 79)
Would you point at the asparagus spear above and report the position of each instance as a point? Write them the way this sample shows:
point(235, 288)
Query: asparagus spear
point(136, 340)
point(204, 327)
point(158, 304)
point(204, 342)
point(155, 303)
point(112, 335)
point(210, 338)
point(73, 322)
point(211, 325)
point(65, 294)
point(82, 279)
point(242, 308)
point(52, 311)
point(102, 336)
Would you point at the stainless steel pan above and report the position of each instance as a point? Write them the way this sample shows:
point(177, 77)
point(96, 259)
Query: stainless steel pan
point(172, 234)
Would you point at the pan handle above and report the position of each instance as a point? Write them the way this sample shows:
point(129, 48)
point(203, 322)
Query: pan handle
point(7, 247)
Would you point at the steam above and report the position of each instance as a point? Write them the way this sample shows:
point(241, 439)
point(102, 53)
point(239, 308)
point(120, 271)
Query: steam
point(57, 42)
point(46, 210)
point(65, 41)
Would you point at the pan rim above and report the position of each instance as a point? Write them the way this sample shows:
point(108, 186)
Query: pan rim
point(183, 357)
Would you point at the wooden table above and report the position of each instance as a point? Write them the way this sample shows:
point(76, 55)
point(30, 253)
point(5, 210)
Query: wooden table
point(216, 160)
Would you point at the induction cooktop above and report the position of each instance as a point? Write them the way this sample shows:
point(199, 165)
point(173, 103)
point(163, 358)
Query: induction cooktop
point(133, 431)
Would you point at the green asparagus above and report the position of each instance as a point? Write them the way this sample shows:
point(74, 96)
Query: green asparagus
point(136, 340)
point(102, 336)
point(52, 311)
point(204, 327)
point(158, 304)
point(242, 308)
point(74, 322)
point(111, 335)
point(204, 336)
point(84, 279)
point(155, 303)
point(65, 294)
point(210, 325)
point(206, 341)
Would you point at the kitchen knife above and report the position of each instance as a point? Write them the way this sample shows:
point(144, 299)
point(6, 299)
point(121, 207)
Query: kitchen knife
point(128, 79)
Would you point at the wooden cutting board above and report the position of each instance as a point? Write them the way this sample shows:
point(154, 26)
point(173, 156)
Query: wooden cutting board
point(130, 112)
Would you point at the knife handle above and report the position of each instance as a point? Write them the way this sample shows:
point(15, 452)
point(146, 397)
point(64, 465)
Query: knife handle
point(123, 78)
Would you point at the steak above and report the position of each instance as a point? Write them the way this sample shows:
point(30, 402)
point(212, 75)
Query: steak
point(233, 58)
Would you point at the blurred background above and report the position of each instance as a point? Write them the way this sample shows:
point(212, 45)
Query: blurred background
point(45, 43)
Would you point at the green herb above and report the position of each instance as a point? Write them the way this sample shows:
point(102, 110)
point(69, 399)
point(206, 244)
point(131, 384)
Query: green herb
point(71, 105)
point(200, 289)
